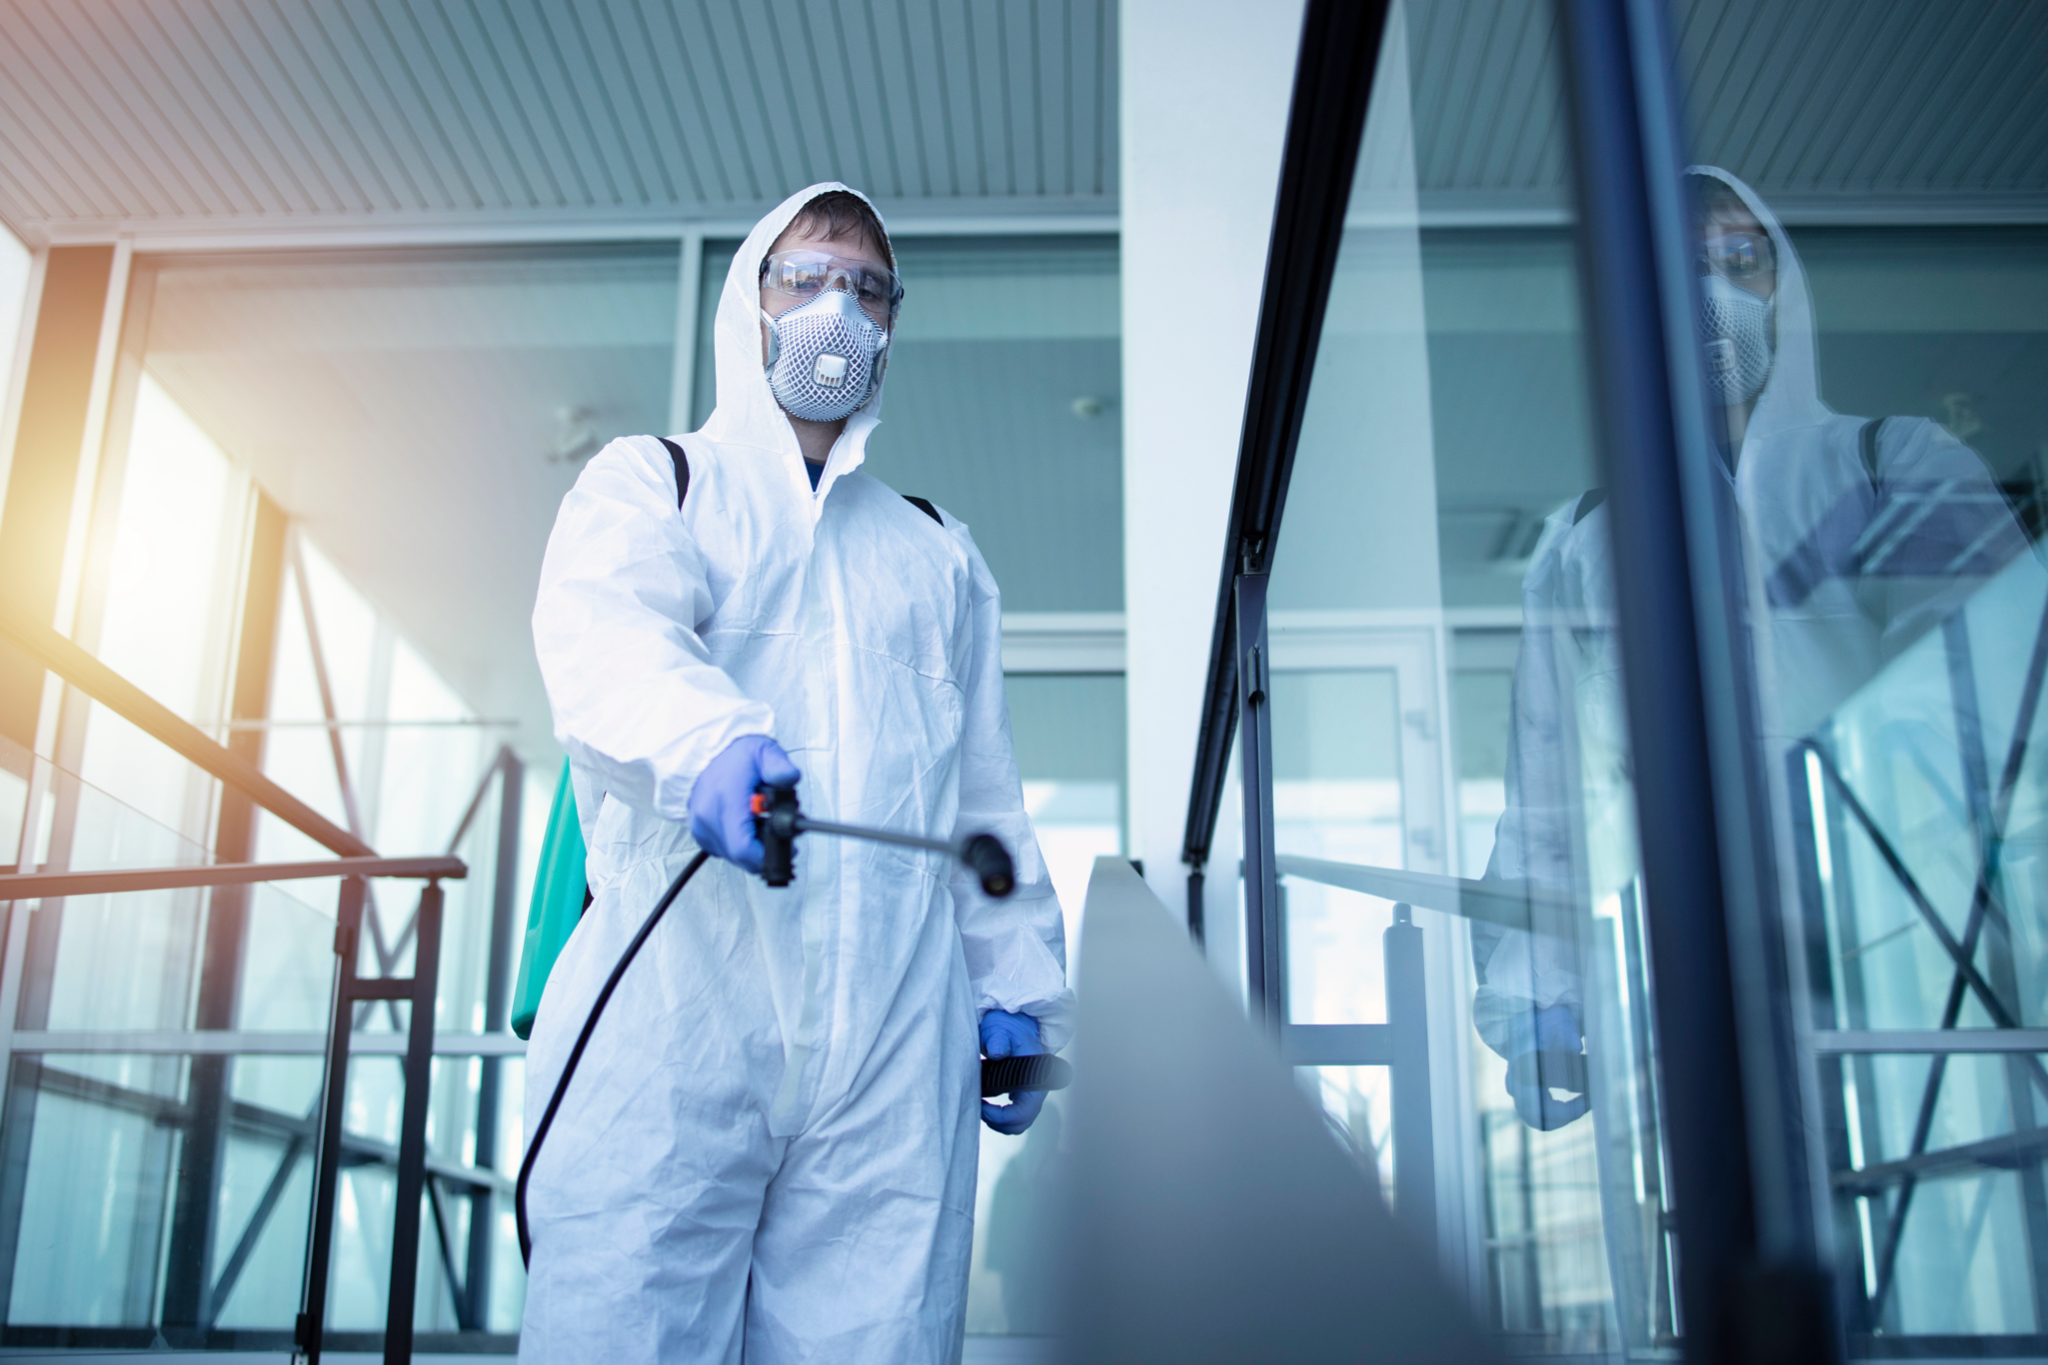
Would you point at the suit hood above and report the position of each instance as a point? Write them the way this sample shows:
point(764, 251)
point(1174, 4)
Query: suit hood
point(1791, 396)
point(747, 413)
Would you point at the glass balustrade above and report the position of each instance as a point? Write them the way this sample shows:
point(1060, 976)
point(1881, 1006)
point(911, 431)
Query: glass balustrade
point(111, 1234)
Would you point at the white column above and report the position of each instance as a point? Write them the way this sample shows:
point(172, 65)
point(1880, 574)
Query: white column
point(1205, 90)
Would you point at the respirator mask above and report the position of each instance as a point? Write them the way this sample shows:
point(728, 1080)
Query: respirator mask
point(827, 354)
point(1736, 327)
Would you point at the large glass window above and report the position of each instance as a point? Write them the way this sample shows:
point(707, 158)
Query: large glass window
point(1002, 404)
point(298, 443)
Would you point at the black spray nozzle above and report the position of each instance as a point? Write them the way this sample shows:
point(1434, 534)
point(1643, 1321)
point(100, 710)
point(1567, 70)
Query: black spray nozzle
point(987, 859)
point(778, 821)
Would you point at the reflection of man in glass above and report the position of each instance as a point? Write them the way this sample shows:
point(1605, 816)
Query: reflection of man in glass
point(1858, 536)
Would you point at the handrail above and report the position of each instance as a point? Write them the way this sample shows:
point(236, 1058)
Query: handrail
point(86, 673)
point(1340, 43)
point(29, 885)
point(1509, 904)
point(1898, 1042)
point(254, 1043)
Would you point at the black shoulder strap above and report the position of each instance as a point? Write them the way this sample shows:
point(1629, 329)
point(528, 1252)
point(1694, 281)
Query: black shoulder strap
point(1867, 440)
point(682, 464)
point(1592, 499)
point(924, 505)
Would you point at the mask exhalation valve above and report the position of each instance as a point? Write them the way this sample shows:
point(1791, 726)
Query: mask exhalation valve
point(825, 357)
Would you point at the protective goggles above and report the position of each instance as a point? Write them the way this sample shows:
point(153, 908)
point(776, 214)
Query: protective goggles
point(1737, 256)
point(802, 275)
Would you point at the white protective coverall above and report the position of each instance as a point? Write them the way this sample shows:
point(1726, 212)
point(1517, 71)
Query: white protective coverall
point(1837, 615)
point(770, 1146)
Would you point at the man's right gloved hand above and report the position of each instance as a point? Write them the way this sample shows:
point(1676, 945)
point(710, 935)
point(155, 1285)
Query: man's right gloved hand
point(1548, 1053)
point(1004, 1034)
point(722, 802)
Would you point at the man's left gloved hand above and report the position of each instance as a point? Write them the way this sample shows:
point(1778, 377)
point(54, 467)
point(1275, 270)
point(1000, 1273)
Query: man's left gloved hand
point(1011, 1035)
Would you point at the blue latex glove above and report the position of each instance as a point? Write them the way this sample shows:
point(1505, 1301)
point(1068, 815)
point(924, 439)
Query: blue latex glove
point(1011, 1035)
point(722, 802)
point(1538, 1038)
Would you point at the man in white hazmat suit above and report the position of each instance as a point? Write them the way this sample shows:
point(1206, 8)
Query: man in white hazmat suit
point(769, 1149)
point(1859, 537)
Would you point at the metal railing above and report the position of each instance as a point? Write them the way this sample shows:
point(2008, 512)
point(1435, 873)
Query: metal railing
point(1402, 1046)
point(1402, 1043)
point(350, 990)
point(356, 863)
point(1986, 809)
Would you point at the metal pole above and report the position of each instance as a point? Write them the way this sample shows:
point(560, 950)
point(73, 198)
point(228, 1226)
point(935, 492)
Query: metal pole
point(412, 1130)
point(1831, 999)
point(689, 288)
point(1987, 822)
point(476, 1278)
point(1694, 1000)
point(1751, 1274)
point(189, 1299)
point(333, 1091)
point(1414, 1136)
point(806, 825)
point(1264, 968)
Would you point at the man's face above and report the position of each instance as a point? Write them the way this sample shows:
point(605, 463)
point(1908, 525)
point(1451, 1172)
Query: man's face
point(1734, 245)
point(853, 248)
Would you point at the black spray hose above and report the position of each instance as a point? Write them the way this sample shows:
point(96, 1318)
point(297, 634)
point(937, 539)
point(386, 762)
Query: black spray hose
point(778, 821)
point(547, 1118)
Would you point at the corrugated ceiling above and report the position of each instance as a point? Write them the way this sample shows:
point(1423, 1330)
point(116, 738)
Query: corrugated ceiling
point(205, 112)
point(1871, 107)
